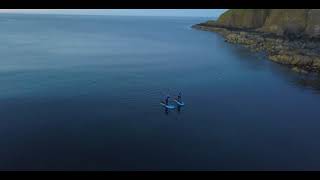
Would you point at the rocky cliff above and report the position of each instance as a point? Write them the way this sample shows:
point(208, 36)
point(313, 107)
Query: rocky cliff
point(289, 36)
point(282, 22)
point(243, 18)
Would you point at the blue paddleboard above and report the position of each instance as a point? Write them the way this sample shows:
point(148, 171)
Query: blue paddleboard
point(179, 103)
point(169, 106)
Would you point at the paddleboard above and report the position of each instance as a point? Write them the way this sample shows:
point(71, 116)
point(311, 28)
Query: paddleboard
point(169, 106)
point(179, 103)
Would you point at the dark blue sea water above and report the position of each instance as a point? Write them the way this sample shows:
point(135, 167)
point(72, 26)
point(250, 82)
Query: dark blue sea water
point(83, 93)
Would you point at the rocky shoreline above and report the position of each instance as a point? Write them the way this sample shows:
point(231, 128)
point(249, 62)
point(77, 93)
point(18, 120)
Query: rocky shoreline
point(300, 54)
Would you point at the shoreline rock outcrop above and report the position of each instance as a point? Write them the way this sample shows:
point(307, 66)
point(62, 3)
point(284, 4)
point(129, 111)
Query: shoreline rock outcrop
point(290, 37)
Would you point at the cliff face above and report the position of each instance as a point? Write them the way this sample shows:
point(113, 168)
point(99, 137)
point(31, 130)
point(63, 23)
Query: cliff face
point(282, 22)
point(286, 22)
point(297, 40)
point(243, 18)
point(313, 23)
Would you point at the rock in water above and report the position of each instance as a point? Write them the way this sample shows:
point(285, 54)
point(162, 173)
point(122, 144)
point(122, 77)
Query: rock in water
point(298, 70)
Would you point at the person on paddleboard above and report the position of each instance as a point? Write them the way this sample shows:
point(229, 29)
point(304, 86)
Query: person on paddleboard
point(166, 101)
point(179, 97)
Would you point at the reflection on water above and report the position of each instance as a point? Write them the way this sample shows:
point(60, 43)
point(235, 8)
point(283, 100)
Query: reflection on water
point(311, 81)
point(166, 110)
point(258, 61)
point(178, 110)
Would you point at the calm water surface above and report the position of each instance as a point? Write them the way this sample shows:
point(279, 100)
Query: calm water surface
point(83, 92)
